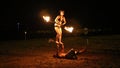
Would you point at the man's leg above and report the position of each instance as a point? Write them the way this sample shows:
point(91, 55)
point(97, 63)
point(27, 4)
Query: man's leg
point(71, 54)
point(57, 35)
point(62, 47)
point(60, 37)
point(57, 39)
point(60, 51)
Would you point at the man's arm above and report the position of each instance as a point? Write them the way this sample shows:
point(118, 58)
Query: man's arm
point(56, 19)
point(64, 21)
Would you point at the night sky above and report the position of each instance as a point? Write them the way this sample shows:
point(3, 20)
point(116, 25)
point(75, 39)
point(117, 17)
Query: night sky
point(87, 13)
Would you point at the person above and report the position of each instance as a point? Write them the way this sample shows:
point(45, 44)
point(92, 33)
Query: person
point(59, 22)
point(71, 54)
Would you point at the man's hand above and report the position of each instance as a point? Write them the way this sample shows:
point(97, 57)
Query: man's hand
point(63, 24)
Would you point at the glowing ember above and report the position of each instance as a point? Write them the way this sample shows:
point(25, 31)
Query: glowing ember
point(69, 29)
point(46, 18)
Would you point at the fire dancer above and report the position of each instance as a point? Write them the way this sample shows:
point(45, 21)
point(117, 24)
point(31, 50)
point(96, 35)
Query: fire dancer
point(59, 22)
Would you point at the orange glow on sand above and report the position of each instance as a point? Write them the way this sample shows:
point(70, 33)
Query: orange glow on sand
point(46, 18)
point(69, 29)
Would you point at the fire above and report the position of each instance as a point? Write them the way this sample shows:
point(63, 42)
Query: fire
point(46, 18)
point(69, 29)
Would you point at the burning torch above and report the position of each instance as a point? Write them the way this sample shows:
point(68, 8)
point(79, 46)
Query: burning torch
point(69, 29)
point(46, 18)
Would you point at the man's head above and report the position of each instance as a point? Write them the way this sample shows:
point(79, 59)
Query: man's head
point(61, 12)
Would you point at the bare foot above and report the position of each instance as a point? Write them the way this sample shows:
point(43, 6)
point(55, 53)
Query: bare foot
point(57, 42)
point(61, 42)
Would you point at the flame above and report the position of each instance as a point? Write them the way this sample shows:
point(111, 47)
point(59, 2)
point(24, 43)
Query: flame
point(69, 29)
point(46, 18)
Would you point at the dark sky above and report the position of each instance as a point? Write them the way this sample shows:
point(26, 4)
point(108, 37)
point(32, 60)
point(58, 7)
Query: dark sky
point(87, 13)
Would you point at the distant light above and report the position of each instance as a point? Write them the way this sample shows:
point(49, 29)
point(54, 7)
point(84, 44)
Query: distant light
point(99, 29)
point(85, 28)
point(25, 32)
